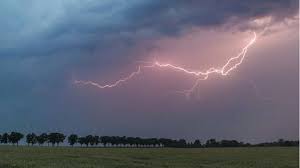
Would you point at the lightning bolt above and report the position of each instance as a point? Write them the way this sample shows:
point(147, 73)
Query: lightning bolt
point(231, 64)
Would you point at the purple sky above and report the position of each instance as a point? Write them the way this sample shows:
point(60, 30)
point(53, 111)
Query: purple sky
point(45, 46)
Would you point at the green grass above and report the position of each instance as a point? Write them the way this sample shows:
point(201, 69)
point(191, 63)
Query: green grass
point(67, 157)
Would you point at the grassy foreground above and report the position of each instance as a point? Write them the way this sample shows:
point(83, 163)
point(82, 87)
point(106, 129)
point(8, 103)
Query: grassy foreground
point(67, 157)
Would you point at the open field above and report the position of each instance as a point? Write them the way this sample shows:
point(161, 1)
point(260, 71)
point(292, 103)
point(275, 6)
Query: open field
point(67, 157)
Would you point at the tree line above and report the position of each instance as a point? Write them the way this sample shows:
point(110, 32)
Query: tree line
point(54, 139)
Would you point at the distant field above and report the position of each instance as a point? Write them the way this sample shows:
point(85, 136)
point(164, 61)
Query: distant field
point(67, 157)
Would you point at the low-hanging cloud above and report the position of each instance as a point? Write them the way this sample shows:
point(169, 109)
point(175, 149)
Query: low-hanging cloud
point(38, 28)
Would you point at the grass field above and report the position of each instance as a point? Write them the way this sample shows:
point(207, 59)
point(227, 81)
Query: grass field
point(67, 157)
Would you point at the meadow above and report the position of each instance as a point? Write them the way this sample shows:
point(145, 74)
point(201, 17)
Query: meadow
point(68, 157)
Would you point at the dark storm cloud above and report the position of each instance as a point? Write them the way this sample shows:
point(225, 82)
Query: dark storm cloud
point(104, 23)
point(168, 17)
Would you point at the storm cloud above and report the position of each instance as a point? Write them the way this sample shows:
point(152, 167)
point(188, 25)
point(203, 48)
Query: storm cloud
point(39, 28)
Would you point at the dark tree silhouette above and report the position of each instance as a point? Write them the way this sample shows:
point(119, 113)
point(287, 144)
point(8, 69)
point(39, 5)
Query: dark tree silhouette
point(197, 144)
point(280, 142)
point(130, 141)
point(56, 138)
point(96, 140)
point(15, 137)
point(41, 139)
point(81, 141)
point(4, 138)
point(230, 143)
point(105, 140)
point(89, 140)
point(72, 139)
point(60, 138)
point(137, 142)
point(123, 141)
point(211, 143)
point(31, 139)
point(52, 138)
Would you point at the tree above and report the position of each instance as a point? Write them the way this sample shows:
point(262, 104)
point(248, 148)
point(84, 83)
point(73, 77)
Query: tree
point(28, 139)
point(60, 138)
point(137, 141)
point(112, 140)
point(15, 137)
point(81, 141)
point(96, 140)
point(166, 142)
point(211, 143)
point(181, 143)
point(155, 142)
point(4, 138)
point(72, 139)
point(89, 140)
point(130, 141)
point(281, 142)
point(229, 143)
point(197, 143)
point(41, 139)
point(31, 139)
point(104, 140)
point(52, 138)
